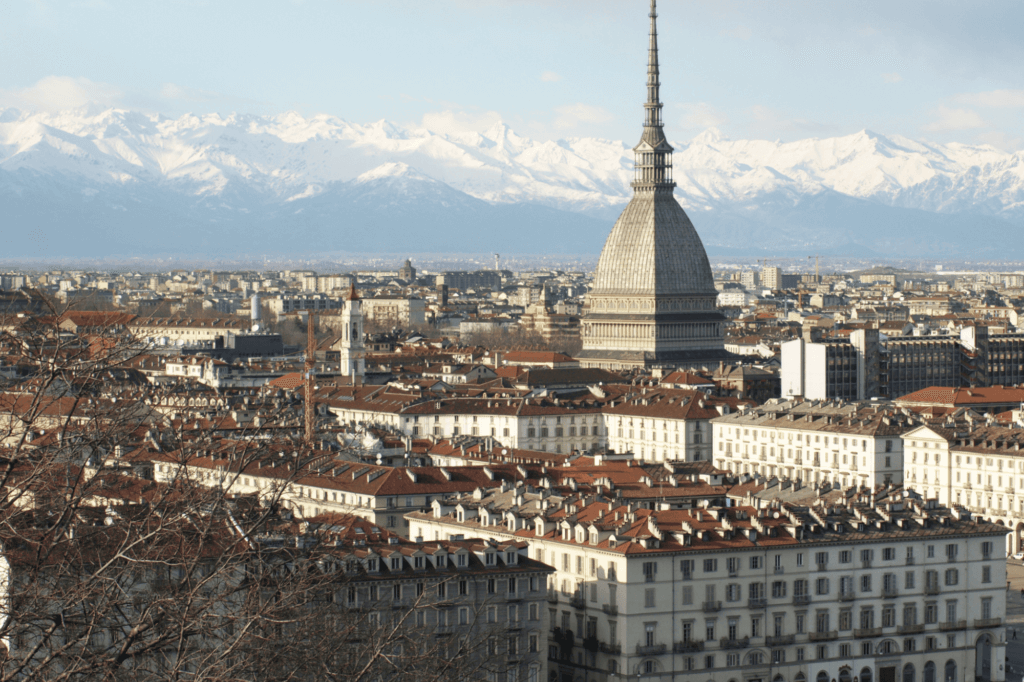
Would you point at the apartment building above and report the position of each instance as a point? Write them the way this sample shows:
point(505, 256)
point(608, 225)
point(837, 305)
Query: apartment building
point(870, 365)
point(977, 466)
point(547, 424)
point(660, 424)
point(848, 443)
point(866, 585)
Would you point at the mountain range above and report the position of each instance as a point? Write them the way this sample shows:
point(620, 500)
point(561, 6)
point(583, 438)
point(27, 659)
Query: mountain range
point(121, 183)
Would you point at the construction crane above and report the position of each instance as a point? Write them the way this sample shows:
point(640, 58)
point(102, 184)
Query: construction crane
point(310, 400)
point(817, 268)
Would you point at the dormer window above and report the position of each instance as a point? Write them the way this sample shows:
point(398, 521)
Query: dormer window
point(461, 561)
point(371, 565)
point(396, 563)
point(489, 558)
point(593, 538)
point(417, 562)
point(510, 558)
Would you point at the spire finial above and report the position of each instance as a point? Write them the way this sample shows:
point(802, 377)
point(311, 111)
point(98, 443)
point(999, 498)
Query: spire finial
point(654, 153)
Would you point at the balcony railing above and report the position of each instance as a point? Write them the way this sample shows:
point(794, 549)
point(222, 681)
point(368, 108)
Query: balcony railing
point(822, 568)
point(890, 592)
point(610, 609)
point(931, 588)
point(910, 561)
point(779, 640)
point(759, 603)
point(650, 649)
point(611, 649)
point(847, 596)
point(711, 606)
point(987, 622)
point(688, 647)
point(824, 636)
point(779, 570)
point(953, 625)
point(578, 602)
point(910, 629)
point(553, 596)
point(727, 643)
point(862, 633)
point(801, 599)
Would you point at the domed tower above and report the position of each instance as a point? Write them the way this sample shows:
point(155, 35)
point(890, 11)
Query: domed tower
point(653, 301)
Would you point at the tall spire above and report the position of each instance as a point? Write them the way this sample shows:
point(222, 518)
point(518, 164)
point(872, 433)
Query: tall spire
point(653, 155)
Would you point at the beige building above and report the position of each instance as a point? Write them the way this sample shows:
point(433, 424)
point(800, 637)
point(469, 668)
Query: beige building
point(888, 588)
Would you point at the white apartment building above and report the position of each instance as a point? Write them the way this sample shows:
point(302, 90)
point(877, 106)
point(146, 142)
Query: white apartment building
point(660, 424)
point(855, 443)
point(526, 423)
point(883, 587)
point(980, 467)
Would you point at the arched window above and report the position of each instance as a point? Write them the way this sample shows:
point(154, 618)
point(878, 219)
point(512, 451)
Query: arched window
point(845, 675)
point(929, 672)
point(950, 675)
point(908, 672)
point(865, 675)
point(822, 677)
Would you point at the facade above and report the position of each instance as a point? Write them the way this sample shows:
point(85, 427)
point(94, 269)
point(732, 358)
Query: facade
point(846, 444)
point(653, 299)
point(870, 365)
point(879, 587)
point(479, 279)
point(396, 311)
point(980, 467)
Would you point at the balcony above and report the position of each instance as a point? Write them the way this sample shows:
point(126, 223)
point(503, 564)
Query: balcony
point(610, 609)
point(727, 643)
point(1009, 490)
point(801, 599)
point(866, 563)
point(824, 636)
point(953, 625)
point(687, 647)
point(987, 488)
point(931, 588)
point(864, 633)
point(611, 649)
point(968, 486)
point(779, 640)
point(910, 561)
point(987, 622)
point(757, 603)
point(578, 602)
point(822, 568)
point(443, 630)
point(779, 570)
point(650, 649)
point(553, 596)
point(910, 629)
point(890, 592)
point(763, 458)
point(847, 596)
point(712, 606)
point(591, 644)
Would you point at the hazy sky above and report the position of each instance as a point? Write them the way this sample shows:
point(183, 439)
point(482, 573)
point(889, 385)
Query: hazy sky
point(939, 70)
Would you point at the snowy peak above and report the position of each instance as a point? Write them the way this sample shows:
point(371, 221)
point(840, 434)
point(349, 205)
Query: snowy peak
point(390, 171)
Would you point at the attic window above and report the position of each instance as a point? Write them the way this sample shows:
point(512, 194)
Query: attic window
point(396, 563)
point(489, 558)
point(510, 558)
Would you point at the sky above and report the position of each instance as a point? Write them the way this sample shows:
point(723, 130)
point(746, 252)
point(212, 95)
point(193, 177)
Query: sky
point(940, 70)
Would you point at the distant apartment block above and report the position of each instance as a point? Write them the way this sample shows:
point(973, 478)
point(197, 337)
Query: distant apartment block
point(869, 365)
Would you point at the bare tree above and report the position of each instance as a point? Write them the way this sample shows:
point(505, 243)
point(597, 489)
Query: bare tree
point(121, 558)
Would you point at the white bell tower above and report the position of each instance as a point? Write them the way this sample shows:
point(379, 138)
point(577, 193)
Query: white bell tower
point(352, 361)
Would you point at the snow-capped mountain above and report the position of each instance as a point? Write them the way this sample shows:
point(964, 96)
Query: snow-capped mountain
point(97, 183)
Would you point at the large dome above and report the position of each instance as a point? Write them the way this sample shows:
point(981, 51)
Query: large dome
point(653, 250)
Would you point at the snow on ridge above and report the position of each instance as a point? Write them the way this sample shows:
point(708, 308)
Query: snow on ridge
point(287, 154)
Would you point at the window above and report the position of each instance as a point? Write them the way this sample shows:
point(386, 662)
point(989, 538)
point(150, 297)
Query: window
point(778, 589)
point(952, 575)
point(686, 568)
point(908, 580)
point(710, 565)
point(951, 552)
point(888, 553)
point(986, 550)
point(755, 562)
point(865, 583)
point(649, 598)
point(820, 558)
point(845, 556)
point(650, 570)
point(986, 574)
point(821, 586)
